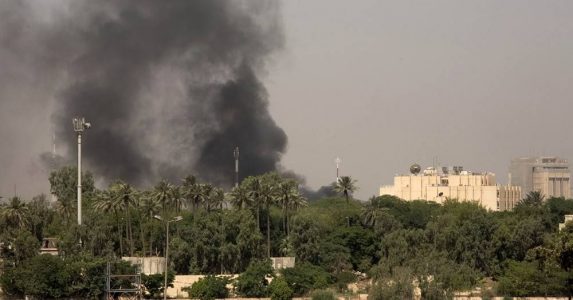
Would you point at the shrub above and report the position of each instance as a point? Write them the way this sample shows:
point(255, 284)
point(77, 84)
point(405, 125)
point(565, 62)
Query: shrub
point(46, 276)
point(279, 289)
point(209, 287)
point(253, 282)
point(343, 279)
point(154, 283)
point(323, 295)
point(305, 277)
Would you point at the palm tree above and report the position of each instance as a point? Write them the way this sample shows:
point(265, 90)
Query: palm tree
point(289, 198)
point(16, 213)
point(105, 203)
point(206, 196)
point(254, 186)
point(148, 207)
point(268, 195)
point(163, 194)
point(177, 198)
point(345, 185)
point(297, 202)
point(240, 197)
point(372, 212)
point(125, 198)
point(217, 198)
point(66, 208)
point(191, 192)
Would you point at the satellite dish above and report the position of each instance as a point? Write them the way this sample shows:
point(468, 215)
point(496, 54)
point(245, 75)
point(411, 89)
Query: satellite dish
point(415, 169)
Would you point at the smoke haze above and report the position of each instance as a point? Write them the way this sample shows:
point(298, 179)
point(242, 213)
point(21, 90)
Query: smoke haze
point(170, 87)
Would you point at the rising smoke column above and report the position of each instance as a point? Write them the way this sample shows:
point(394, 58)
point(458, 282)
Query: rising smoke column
point(171, 87)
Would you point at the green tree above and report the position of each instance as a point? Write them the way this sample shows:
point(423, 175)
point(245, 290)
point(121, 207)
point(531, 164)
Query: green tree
point(40, 215)
point(289, 199)
point(532, 199)
point(280, 290)
point(526, 279)
point(398, 285)
point(63, 184)
point(155, 283)
point(268, 196)
point(105, 203)
point(240, 197)
point(125, 198)
point(26, 246)
point(253, 282)
point(192, 192)
point(148, 207)
point(163, 194)
point(305, 277)
point(305, 239)
point(373, 212)
point(345, 185)
point(15, 213)
point(209, 287)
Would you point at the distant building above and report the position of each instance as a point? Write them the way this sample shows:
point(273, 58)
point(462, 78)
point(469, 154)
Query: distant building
point(548, 175)
point(455, 183)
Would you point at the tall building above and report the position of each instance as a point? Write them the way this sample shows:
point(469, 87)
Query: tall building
point(433, 185)
point(548, 175)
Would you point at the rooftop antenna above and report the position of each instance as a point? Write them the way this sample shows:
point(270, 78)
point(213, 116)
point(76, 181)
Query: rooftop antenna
point(337, 161)
point(236, 155)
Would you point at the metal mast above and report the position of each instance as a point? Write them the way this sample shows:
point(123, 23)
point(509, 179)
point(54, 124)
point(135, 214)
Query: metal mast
point(80, 125)
point(337, 161)
point(236, 155)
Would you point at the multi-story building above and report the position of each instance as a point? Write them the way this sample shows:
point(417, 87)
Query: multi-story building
point(457, 184)
point(548, 175)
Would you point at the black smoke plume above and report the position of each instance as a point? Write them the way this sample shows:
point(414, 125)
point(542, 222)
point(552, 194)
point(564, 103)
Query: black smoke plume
point(170, 87)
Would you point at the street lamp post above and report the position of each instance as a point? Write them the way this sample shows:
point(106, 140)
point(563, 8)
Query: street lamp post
point(176, 219)
point(80, 125)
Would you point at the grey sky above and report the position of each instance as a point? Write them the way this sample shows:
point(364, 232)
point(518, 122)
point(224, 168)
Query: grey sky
point(381, 84)
point(385, 84)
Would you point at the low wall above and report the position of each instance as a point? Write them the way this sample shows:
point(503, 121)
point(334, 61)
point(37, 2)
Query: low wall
point(182, 281)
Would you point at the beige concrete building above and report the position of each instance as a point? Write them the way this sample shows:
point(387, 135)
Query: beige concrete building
point(454, 184)
point(548, 175)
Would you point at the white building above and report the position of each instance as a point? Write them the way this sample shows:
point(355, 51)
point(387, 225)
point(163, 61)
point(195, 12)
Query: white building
point(437, 186)
point(548, 175)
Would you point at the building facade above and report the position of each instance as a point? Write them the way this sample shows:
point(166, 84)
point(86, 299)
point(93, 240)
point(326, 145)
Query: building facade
point(548, 175)
point(437, 186)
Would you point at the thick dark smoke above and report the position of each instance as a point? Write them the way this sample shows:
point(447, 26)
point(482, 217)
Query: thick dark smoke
point(170, 87)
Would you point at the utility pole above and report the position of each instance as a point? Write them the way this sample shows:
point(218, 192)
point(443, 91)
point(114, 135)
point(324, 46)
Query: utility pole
point(236, 155)
point(176, 219)
point(80, 125)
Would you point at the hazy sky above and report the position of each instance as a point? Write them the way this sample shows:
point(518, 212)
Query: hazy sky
point(381, 84)
point(384, 84)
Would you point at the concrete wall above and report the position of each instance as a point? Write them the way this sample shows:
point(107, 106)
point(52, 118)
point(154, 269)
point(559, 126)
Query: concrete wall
point(182, 281)
point(282, 262)
point(149, 265)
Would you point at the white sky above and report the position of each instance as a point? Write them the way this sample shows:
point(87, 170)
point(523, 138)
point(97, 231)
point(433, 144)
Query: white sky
point(384, 84)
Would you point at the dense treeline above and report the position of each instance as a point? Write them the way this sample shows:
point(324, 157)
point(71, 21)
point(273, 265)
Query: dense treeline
point(439, 248)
